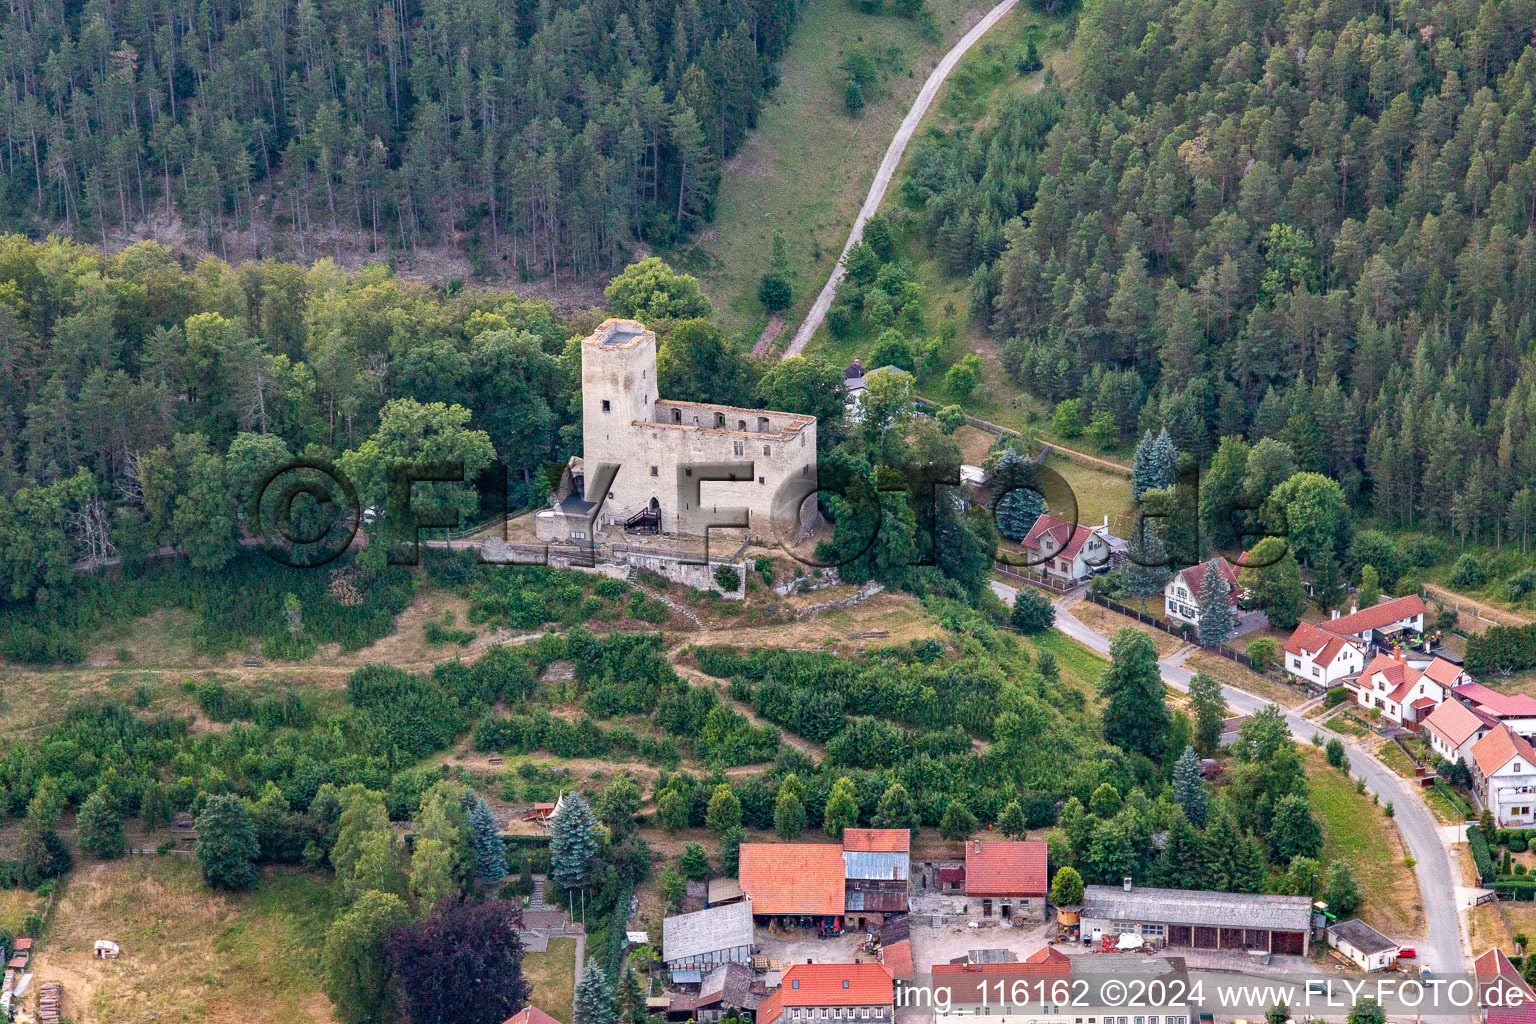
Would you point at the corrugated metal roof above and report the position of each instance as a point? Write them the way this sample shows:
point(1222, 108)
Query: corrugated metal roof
point(1192, 907)
point(877, 866)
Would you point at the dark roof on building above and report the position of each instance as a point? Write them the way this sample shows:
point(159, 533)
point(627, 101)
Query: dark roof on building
point(1362, 936)
point(1192, 907)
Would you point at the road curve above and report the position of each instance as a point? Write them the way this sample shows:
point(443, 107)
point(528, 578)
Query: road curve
point(1444, 950)
point(887, 168)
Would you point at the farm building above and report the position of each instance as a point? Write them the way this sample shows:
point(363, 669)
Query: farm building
point(799, 881)
point(1199, 920)
point(1365, 946)
point(1006, 880)
point(530, 1015)
point(727, 988)
point(831, 992)
point(877, 865)
point(696, 942)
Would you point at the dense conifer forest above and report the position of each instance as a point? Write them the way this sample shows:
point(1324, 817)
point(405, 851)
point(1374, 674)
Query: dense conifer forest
point(548, 135)
point(1296, 221)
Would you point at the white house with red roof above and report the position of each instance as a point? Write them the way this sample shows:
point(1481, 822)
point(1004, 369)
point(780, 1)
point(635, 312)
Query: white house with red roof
point(1504, 774)
point(1321, 658)
point(1181, 594)
point(1323, 653)
point(1453, 728)
point(831, 991)
point(1404, 692)
point(1067, 552)
point(1504, 995)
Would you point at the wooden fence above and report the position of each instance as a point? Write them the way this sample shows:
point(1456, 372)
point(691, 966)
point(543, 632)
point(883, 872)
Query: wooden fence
point(1033, 578)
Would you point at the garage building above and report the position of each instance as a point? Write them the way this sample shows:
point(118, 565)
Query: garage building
point(1192, 919)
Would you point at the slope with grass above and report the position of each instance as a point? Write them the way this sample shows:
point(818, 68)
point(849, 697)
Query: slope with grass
point(808, 163)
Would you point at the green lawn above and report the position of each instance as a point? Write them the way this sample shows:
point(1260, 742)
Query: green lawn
point(807, 166)
point(1080, 667)
point(1359, 833)
point(552, 975)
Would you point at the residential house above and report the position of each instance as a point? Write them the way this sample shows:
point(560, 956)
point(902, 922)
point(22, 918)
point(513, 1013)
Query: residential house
point(877, 866)
point(1504, 774)
point(1005, 880)
point(1030, 989)
point(802, 882)
point(1516, 710)
point(530, 1015)
point(700, 941)
point(977, 984)
point(1403, 693)
point(1504, 995)
point(1067, 553)
point(1453, 728)
point(1320, 658)
point(1181, 594)
point(1190, 919)
point(1388, 618)
point(1365, 946)
point(831, 992)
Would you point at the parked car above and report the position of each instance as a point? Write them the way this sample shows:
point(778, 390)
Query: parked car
point(1407, 953)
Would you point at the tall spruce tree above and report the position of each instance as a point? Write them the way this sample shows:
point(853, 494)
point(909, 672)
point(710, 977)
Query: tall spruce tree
point(572, 842)
point(1215, 603)
point(594, 997)
point(1189, 789)
point(486, 846)
point(1145, 571)
point(1020, 502)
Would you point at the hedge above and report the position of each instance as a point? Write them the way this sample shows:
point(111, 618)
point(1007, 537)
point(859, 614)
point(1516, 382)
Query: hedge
point(1481, 855)
point(1521, 888)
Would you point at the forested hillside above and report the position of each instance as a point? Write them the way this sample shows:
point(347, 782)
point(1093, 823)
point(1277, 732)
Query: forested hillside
point(1290, 220)
point(546, 134)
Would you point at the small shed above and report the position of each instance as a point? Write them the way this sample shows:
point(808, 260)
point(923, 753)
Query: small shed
point(1366, 947)
point(106, 949)
point(725, 890)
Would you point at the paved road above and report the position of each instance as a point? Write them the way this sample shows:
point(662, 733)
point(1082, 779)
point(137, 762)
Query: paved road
point(887, 168)
point(1444, 950)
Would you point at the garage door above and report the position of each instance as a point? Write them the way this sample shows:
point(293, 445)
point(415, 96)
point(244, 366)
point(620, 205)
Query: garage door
point(1290, 943)
point(1205, 938)
point(1179, 935)
point(1231, 938)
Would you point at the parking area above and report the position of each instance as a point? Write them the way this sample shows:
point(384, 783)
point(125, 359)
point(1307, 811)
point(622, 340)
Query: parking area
point(939, 945)
point(800, 945)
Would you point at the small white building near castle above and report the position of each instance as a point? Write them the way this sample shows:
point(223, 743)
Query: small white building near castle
point(651, 464)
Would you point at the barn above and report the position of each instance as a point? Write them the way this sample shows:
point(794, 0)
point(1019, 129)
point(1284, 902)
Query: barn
point(1190, 919)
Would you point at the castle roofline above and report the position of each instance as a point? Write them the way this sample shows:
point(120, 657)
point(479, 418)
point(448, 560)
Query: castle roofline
point(619, 333)
point(799, 419)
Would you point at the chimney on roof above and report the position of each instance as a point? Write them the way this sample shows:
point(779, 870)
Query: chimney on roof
point(1125, 883)
point(1335, 613)
point(1353, 609)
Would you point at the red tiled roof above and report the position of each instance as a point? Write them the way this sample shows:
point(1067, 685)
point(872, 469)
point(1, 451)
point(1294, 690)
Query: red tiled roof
point(877, 840)
point(1194, 576)
point(1498, 748)
point(837, 985)
point(1005, 868)
point(1453, 722)
point(1495, 973)
point(898, 957)
point(960, 978)
point(792, 878)
point(1069, 538)
point(22, 945)
point(1318, 644)
point(1422, 703)
point(1504, 705)
point(1443, 672)
point(770, 1009)
point(530, 1015)
point(1375, 617)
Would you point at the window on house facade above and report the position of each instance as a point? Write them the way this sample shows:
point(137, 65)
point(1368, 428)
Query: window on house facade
point(739, 448)
point(606, 406)
point(655, 471)
point(766, 451)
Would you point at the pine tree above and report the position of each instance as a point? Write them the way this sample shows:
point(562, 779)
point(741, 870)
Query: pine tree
point(594, 997)
point(1146, 569)
point(1248, 872)
point(1189, 789)
point(1143, 472)
point(486, 846)
point(1215, 601)
point(1328, 590)
point(1209, 710)
point(572, 842)
point(631, 996)
point(730, 850)
point(1019, 503)
point(1183, 856)
point(1294, 831)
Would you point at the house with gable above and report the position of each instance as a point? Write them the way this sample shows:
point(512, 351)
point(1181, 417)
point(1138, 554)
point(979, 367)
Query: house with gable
point(1504, 775)
point(1006, 881)
point(1453, 728)
point(1516, 710)
point(1404, 693)
point(1321, 658)
point(1068, 553)
point(831, 991)
point(1181, 595)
